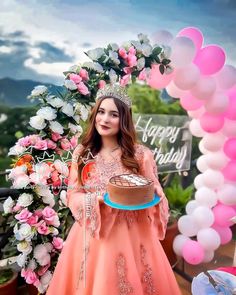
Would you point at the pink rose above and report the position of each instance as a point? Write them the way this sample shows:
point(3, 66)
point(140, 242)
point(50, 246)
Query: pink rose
point(38, 212)
point(125, 80)
point(33, 220)
point(43, 269)
point(42, 228)
point(101, 84)
point(16, 208)
point(51, 144)
point(25, 141)
point(48, 213)
point(82, 88)
point(57, 243)
point(122, 53)
point(33, 139)
point(41, 145)
point(21, 181)
point(30, 276)
point(56, 136)
point(142, 75)
point(65, 144)
point(84, 74)
point(74, 141)
point(55, 175)
point(75, 78)
point(131, 60)
point(127, 70)
point(132, 50)
point(24, 215)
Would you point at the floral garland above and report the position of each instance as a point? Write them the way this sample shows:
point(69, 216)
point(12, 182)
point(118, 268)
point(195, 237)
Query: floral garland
point(41, 164)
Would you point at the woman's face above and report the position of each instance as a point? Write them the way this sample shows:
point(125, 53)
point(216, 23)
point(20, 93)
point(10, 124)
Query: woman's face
point(107, 118)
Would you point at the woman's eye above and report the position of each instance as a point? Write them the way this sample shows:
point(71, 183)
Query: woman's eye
point(100, 111)
point(114, 115)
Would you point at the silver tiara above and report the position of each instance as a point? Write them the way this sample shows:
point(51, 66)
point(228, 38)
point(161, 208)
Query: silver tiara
point(114, 91)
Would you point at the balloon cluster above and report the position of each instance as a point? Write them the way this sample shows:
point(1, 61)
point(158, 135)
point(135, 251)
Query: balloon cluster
point(206, 87)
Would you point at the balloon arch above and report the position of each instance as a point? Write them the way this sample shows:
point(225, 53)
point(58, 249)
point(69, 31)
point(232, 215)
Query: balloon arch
point(207, 91)
point(206, 88)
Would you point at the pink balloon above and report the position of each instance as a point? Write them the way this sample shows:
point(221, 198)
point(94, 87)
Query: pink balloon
point(210, 59)
point(230, 112)
point(226, 78)
point(229, 171)
point(186, 77)
point(225, 233)
point(223, 214)
point(194, 34)
point(174, 91)
point(230, 148)
point(190, 103)
point(193, 252)
point(211, 123)
point(157, 80)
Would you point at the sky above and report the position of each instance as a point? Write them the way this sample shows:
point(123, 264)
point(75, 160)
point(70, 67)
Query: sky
point(41, 39)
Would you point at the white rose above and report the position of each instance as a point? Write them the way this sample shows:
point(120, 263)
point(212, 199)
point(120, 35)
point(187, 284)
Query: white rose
point(32, 264)
point(47, 113)
point(114, 46)
point(24, 232)
point(39, 90)
point(25, 247)
point(37, 122)
point(143, 38)
point(16, 150)
point(114, 57)
point(75, 128)
point(8, 205)
point(48, 246)
point(141, 63)
point(25, 200)
point(97, 67)
point(63, 197)
point(41, 288)
point(61, 167)
point(76, 118)
point(46, 194)
point(56, 127)
point(112, 76)
point(74, 68)
point(146, 49)
point(137, 45)
point(68, 109)
point(96, 53)
point(55, 231)
point(46, 278)
point(84, 113)
point(41, 255)
point(56, 102)
point(21, 259)
point(69, 84)
point(49, 200)
point(21, 181)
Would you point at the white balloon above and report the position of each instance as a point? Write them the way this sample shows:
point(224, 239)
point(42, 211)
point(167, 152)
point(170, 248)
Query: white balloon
point(217, 103)
point(174, 91)
point(198, 181)
point(204, 88)
point(209, 255)
point(197, 113)
point(183, 51)
point(226, 78)
point(213, 178)
point(206, 197)
point(202, 148)
point(203, 216)
point(188, 226)
point(191, 206)
point(196, 128)
point(208, 238)
point(178, 244)
point(227, 194)
point(229, 128)
point(162, 37)
point(213, 142)
point(216, 160)
point(186, 77)
point(202, 164)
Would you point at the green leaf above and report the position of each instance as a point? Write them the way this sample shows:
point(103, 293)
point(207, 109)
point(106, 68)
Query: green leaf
point(161, 69)
point(157, 51)
point(166, 61)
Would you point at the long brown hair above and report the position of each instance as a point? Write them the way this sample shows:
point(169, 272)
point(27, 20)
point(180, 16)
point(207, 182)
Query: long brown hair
point(126, 136)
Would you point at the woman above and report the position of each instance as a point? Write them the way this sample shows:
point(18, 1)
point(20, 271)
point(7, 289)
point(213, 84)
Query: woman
point(110, 251)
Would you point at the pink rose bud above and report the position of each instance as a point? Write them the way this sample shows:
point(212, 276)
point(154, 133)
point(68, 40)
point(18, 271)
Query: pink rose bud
point(75, 78)
point(51, 144)
point(132, 50)
point(24, 141)
point(142, 75)
point(101, 84)
point(56, 136)
point(48, 213)
point(32, 221)
point(125, 80)
point(82, 88)
point(84, 74)
point(41, 145)
point(65, 144)
point(122, 53)
point(57, 243)
point(42, 228)
point(131, 60)
point(24, 215)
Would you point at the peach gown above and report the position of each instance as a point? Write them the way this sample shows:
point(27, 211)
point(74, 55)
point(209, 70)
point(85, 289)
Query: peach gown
point(118, 252)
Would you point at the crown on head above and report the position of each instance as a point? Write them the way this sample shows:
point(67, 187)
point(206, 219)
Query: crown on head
point(114, 91)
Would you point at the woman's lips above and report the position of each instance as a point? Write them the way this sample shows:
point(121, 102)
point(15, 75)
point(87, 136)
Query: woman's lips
point(105, 127)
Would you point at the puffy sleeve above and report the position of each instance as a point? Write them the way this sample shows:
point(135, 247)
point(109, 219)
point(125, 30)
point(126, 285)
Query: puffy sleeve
point(83, 204)
point(159, 214)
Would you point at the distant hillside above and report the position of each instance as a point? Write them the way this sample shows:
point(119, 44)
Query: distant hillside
point(14, 92)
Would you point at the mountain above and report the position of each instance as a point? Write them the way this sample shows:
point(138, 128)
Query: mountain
point(14, 92)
